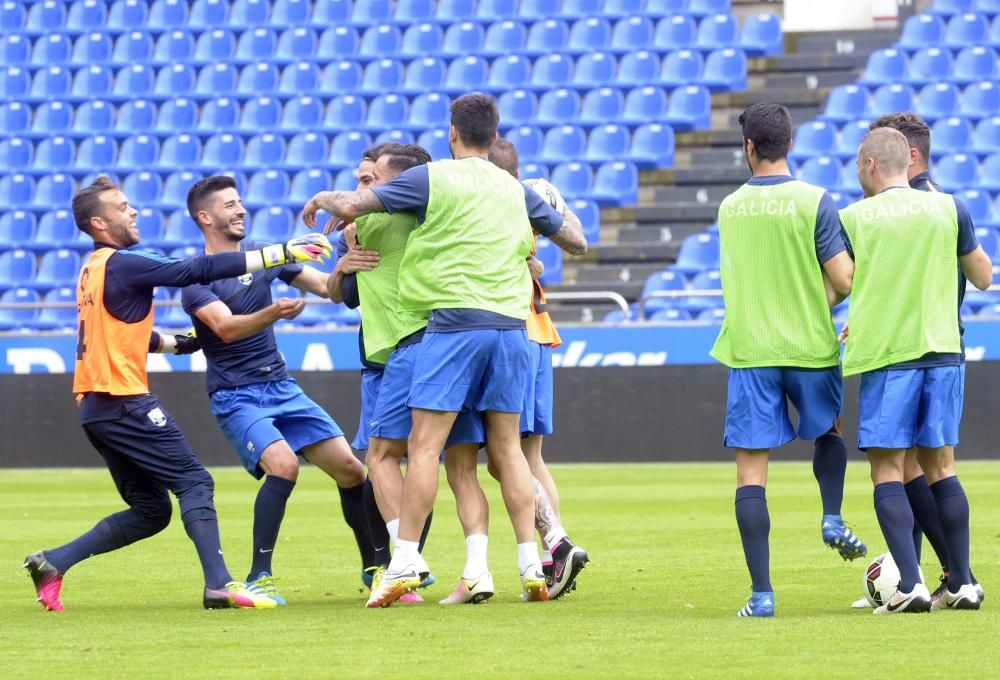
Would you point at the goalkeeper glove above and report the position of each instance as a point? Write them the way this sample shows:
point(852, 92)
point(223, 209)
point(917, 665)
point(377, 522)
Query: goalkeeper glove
point(187, 344)
point(306, 248)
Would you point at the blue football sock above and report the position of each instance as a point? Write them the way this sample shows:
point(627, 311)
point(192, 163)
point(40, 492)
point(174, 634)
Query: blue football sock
point(427, 530)
point(352, 504)
point(926, 520)
point(204, 533)
point(268, 511)
point(953, 509)
point(896, 519)
point(829, 467)
point(755, 525)
point(376, 527)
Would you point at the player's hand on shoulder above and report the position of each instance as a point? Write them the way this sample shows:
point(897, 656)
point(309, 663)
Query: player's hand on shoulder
point(287, 308)
point(358, 260)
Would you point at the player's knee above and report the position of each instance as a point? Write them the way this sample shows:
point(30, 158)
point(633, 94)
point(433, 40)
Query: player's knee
point(491, 467)
point(280, 462)
point(156, 514)
point(353, 473)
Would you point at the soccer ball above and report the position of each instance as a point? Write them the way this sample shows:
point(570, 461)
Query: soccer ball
point(546, 190)
point(881, 580)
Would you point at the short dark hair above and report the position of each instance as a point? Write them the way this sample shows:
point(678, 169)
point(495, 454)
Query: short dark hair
point(769, 127)
point(403, 156)
point(476, 117)
point(503, 154)
point(913, 127)
point(204, 188)
point(87, 201)
point(371, 153)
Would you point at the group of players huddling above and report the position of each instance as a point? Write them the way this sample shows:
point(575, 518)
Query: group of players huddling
point(456, 345)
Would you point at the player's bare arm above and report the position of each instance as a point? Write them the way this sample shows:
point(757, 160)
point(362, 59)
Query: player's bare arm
point(839, 270)
point(344, 205)
point(570, 235)
point(232, 327)
point(312, 281)
point(978, 268)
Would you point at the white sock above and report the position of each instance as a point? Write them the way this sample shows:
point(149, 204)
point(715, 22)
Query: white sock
point(405, 554)
point(475, 555)
point(546, 557)
point(392, 526)
point(553, 538)
point(527, 556)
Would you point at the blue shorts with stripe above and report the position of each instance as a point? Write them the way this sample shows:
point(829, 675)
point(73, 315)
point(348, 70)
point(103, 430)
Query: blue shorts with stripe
point(910, 407)
point(536, 417)
point(757, 405)
point(371, 383)
point(255, 416)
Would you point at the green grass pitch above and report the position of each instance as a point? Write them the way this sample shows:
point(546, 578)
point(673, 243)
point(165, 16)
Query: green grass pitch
point(658, 600)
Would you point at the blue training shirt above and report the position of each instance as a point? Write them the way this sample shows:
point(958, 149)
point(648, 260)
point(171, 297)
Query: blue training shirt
point(253, 359)
point(831, 239)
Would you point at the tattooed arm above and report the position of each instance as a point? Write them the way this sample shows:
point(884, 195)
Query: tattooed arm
point(343, 205)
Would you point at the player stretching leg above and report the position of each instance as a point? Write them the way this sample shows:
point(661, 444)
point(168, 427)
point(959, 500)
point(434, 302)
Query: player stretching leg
point(146, 453)
point(259, 407)
point(562, 561)
point(905, 343)
point(463, 271)
point(925, 517)
point(778, 338)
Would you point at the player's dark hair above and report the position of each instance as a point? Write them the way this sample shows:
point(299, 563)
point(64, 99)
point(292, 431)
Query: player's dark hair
point(371, 153)
point(769, 127)
point(476, 117)
point(403, 156)
point(503, 154)
point(204, 188)
point(87, 202)
point(913, 127)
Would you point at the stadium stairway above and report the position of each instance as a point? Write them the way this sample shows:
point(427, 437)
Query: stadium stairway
point(676, 203)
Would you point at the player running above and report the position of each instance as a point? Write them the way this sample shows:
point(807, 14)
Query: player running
point(925, 517)
point(260, 408)
point(785, 263)
point(469, 276)
point(144, 450)
point(905, 343)
point(562, 561)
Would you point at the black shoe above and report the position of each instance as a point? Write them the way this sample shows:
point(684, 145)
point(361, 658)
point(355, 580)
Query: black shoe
point(567, 562)
point(547, 570)
point(47, 580)
point(942, 587)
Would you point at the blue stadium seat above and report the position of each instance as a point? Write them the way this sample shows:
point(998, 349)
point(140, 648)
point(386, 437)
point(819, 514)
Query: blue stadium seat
point(681, 67)
point(545, 37)
point(175, 187)
point(206, 14)
point(17, 319)
point(645, 105)
point(347, 147)
point(850, 138)
point(177, 80)
point(986, 138)
point(921, 31)
point(15, 117)
point(125, 15)
point(689, 108)
point(273, 224)
point(56, 318)
point(616, 183)
point(260, 113)
point(222, 151)
point(371, 12)
point(538, 9)
point(436, 143)
point(590, 34)
point(551, 71)
point(823, 171)
point(989, 239)
point(422, 40)
point(450, 11)
point(383, 75)
point(674, 32)
point(966, 29)
point(638, 68)
point(16, 190)
point(558, 106)
point(517, 107)
point(161, 312)
point(698, 253)
point(216, 80)
point(386, 111)
point(258, 44)
point(463, 38)
point(290, 12)
point(413, 11)
point(575, 180)
point(396, 136)
point(703, 281)
point(603, 105)
point(51, 49)
point(508, 73)
point(54, 153)
point(92, 82)
point(713, 314)
point(974, 64)
point(528, 140)
point(92, 48)
point(345, 113)
point(717, 31)
point(937, 100)
point(143, 188)
point(761, 35)
point(136, 80)
point(931, 65)
point(17, 267)
point(12, 17)
point(575, 9)
point(174, 47)
point(338, 42)
point(182, 236)
point(955, 172)
point(138, 151)
point(57, 268)
point(551, 256)
point(631, 33)
point(890, 99)
point(669, 315)
point(15, 50)
point(532, 170)
point(17, 229)
point(563, 143)
point(180, 151)
point(52, 118)
point(593, 70)
point(947, 8)
point(57, 229)
point(989, 178)
point(815, 138)
point(308, 183)
point(219, 114)
point(492, 10)
point(977, 202)
point(52, 82)
point(167, 14)
point(466, 74)
point(16, 153)
point(46, 17)
point(725, 70)
point(300, 77)
point(380, 41)
point(980, 100)
point(264, 151)
point(215, 46)
point(427, 111)
point(258, 79)
point(93, 117)
point(884, 66)
point(590, 217)
point(14, 82)
point(95, 152)
point(302, 113)
point(607, 142)
point(703, 8)
point(653, 146)
point(505, 38)
point(176, 115)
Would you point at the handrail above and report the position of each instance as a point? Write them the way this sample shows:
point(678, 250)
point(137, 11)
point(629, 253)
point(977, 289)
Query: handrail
point(608, 295)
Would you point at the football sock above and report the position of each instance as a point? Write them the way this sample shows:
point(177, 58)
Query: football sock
point(926, 520)
point(953, 508)
point(527, 556)
point(268, 511)
point(475, 555)
point(404, 555)
point(392, 528)
point(554, 537)
point(755, 525)
point(204, 533)
point(376, 527)
point(426, 530)
point(829, 467)
point(546, 557)
point(896, 519)
point(352, 504)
